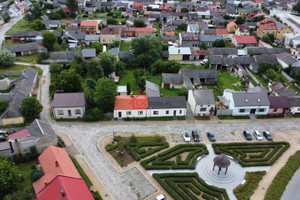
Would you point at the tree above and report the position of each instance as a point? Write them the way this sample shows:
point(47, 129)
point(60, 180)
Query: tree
point(55, 69)
point(203, 46)
point(6, 17)
point(226, 17)
point(79, 68)
point(139, 23)
point(49, 39)
point(37, 25)
point(3, 105)
point(128, 88)
point(240, 19)
point(271, 74)
point(72, 5)
point(120, 66)
point(62, 13)
point(219, 43)
point(266, 10)
point(184, 10)
point(264, 66)
point(54, 15)
point(98, 46)
point(35, 10)
point(9, 176)
point(42, 56)
point(112, 21)
point(7, 59)
point(183, 92)
point(182, 27)
point(29, 17)
point(69, 81)
point(296, 7)
point(105, 94)
point(108, 62)
point(94, 69)
point(31, 109)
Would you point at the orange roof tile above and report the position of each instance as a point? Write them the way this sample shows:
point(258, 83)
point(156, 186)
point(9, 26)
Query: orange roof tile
point(54, 161)
point(128, 102)
point(231, 24)
point(221, 31)
point(88, 23)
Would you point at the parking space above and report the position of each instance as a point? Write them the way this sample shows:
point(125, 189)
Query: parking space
point(222, 136)
point(240, 133)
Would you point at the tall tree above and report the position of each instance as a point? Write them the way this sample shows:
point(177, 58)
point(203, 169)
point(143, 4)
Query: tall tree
point(49, 39)
point(72, 5)
point(105, 94)
point(108, 62)
point(9, 176)
point(94, 69)
point(7, 59)
point(112, 21)
point(6, 17)
point(184, 10)
point(139, 23)
point(69, 81)
point(35, 10)
point(98, 46)
point(31, 109)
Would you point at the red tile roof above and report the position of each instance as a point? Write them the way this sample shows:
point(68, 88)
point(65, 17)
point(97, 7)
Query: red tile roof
point(54, 161)
point(138, 5)
point(221, 31)
point(20, 134)
point(88, 23)
point(67, 10)
point(147, 29)
point(250, 39)
point(199, 52)
point(65, 188)
point(110, 31)
point(231, 24)
point(129, 102)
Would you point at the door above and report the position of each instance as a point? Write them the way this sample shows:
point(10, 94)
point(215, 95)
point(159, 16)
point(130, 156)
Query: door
point(252, 111)
point(69, 113)
point(167, 85)
point(174, 113)
point(120, 114)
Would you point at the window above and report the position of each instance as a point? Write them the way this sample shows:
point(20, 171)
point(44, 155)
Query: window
point(103, 36)
point(167, 112)
point(180, 111)
point(128, 113)
point(275, 110)
point(242, 110)
point(60, 112)
point(208, 106)
point(104, 40)
point(140, 112)
point(261, 110)
point(202, 109)
point(77, 111)
point(155, 112)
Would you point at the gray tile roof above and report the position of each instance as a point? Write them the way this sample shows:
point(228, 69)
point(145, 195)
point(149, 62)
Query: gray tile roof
point(78, 35)
point(210, 38)
point(69, 55)
point(294, 101)
point(215, 60)
point(26, 33)
point(124, 54)
point(209, 31)
point(223, 51)
point(172, 78)
point(92, 37)
point(88, 53)
point(266, 58)
point(114, 51)
point(264, 50)
point(166, 102)
point(24, 47)
point(204, 97)
point(64, 100)
point(39, 128)
point(250, 99)
point(289, 60)
point(198, 74)
point(152, 90)
point(285, 91)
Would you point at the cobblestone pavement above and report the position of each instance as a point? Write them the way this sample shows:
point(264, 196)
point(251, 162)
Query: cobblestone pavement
point(119, 185)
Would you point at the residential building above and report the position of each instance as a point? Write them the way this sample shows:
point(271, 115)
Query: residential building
point(278, 105)
point(51, 24)
point(68, 105)
point(265, 27)
point(204, 14)
point(21, 36)
point(62, 56)
point(129, 31)
point(165, 7)
point(209, 39)
point(145, 30)
point(200, 76)
point(244, 41)
point(168, 30)
point(223, 32)
point(197, 54)
point(152, 89)
point(110, 35)
point(189, 39)
point(171, 81)
point(122, 90)
point(179, 16)
point(166, 106)
point(90, 39)
point(247, 103)
point(138, 6)
point(179, 53)
point(89, 27)
point(294, 104)
point(280, 89)
point(282, 29)
point(231, 27)
point(202, 102)
point(242, 30)
point(26, 49)
point(131, 106)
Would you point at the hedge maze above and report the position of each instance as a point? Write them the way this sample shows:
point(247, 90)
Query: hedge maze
point(253, 154)
point(188, 186)
point(142, 150)
point(181, 156)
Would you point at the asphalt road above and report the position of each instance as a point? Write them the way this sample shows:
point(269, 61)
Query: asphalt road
point(7, 26)
point(292, 189)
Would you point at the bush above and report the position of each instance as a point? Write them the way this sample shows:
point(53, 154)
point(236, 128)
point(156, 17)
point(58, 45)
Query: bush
point(221, 117)
point(35, 175)
point(94, 114)
point(202, 118)
point(117, 138)
point(60, 142)
point(110, 147)
point(132, 138)
point(283, 177)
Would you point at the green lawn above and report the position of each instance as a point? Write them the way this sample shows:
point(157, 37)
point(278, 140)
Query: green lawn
point(192, 66)
point(9, 42)
point(22, 25)
point(166, 92)
point(20, 68)
point(128, 77)
point(27, 59)
point(25, 169)
point(264, 82)
point(157, 29)
point(226, 81)
point(12, 77)
point(217, 91)
point(125, 45)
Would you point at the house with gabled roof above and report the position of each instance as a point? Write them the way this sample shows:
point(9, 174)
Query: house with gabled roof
point(131, 106)
point(90, 27)
point(18, 36)
point(231, 27)
point(202, 102)
point(189, 39)
point(278, 105)
point(294, 104)
point(179, 53)
point(166, 106)
point(26, 49)
point(243, 41)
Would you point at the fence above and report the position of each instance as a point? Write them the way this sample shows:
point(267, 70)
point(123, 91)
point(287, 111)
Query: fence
point(12, 74)
point(224, 112)
point(252, 76)
point(287, 76)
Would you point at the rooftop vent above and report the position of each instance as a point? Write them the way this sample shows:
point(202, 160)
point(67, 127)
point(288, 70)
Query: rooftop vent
point(246, 100)
point(258, 100)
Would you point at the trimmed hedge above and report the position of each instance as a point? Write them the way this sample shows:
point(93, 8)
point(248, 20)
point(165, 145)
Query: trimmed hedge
point(269, 116)
point(202, 117)
point(82, 173)
point(245, 191)
point(135, 149)
point(224, 117)
point(283, 177)
point(183, 186)
point(266, 152)
point(162, 160)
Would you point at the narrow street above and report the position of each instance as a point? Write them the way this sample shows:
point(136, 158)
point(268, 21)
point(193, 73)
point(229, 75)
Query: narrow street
point(4, 28)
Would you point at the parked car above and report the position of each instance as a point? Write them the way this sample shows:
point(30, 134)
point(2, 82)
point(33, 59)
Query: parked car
point(203, 61)
point(196, 135)
point(268, 136)
point(186, 136)
point(258, 135)
point(211, 136)
point(2, 138)
point(247, 135)
point(160, 197)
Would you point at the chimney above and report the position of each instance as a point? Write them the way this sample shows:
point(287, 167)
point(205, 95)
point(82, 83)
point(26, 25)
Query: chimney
point(56, 163)
point(62, 192)
point(246, 90)
point(178, 50)
point(45, 182)
point(131, 95)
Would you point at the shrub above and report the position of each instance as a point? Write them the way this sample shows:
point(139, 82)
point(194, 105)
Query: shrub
point(110, 147)
point(35, 175)
point(132, 138)
point(60, 142)
point(117, 138)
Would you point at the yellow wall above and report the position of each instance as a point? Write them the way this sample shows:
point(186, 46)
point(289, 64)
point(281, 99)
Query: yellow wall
point(17, 120)
point(109, 38)
point(232, 29)
point(175, 57)
point(283, 31)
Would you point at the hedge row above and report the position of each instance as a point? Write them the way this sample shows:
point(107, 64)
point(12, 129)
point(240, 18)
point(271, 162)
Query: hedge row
point(232, 117)
point(162, 160)
point(135, 149)
point(183, 186)
point(283, 177)
point(245, 191)
point(267, 152)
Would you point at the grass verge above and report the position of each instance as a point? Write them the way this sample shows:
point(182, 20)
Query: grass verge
point(225, 117)
point(82, 173)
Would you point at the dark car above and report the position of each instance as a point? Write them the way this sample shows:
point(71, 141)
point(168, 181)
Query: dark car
point(2, 138)
point(211, 136)
point(247, 135)
point(268, 136)
point(196, 135)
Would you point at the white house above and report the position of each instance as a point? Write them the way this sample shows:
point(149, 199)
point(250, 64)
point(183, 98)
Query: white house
point(68, 105)
point(294, 104)
point(247, 103)
point(131, 106)
point(166, 106)
point(202, 102)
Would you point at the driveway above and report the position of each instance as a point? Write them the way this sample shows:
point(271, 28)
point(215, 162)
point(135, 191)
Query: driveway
point(7, 26)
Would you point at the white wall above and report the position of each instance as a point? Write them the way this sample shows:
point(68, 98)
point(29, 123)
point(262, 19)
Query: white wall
point(295, 110)
point(65, 114)
point(163, 112)
point(236, 111)
point(133, 113)
point(191, 101)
